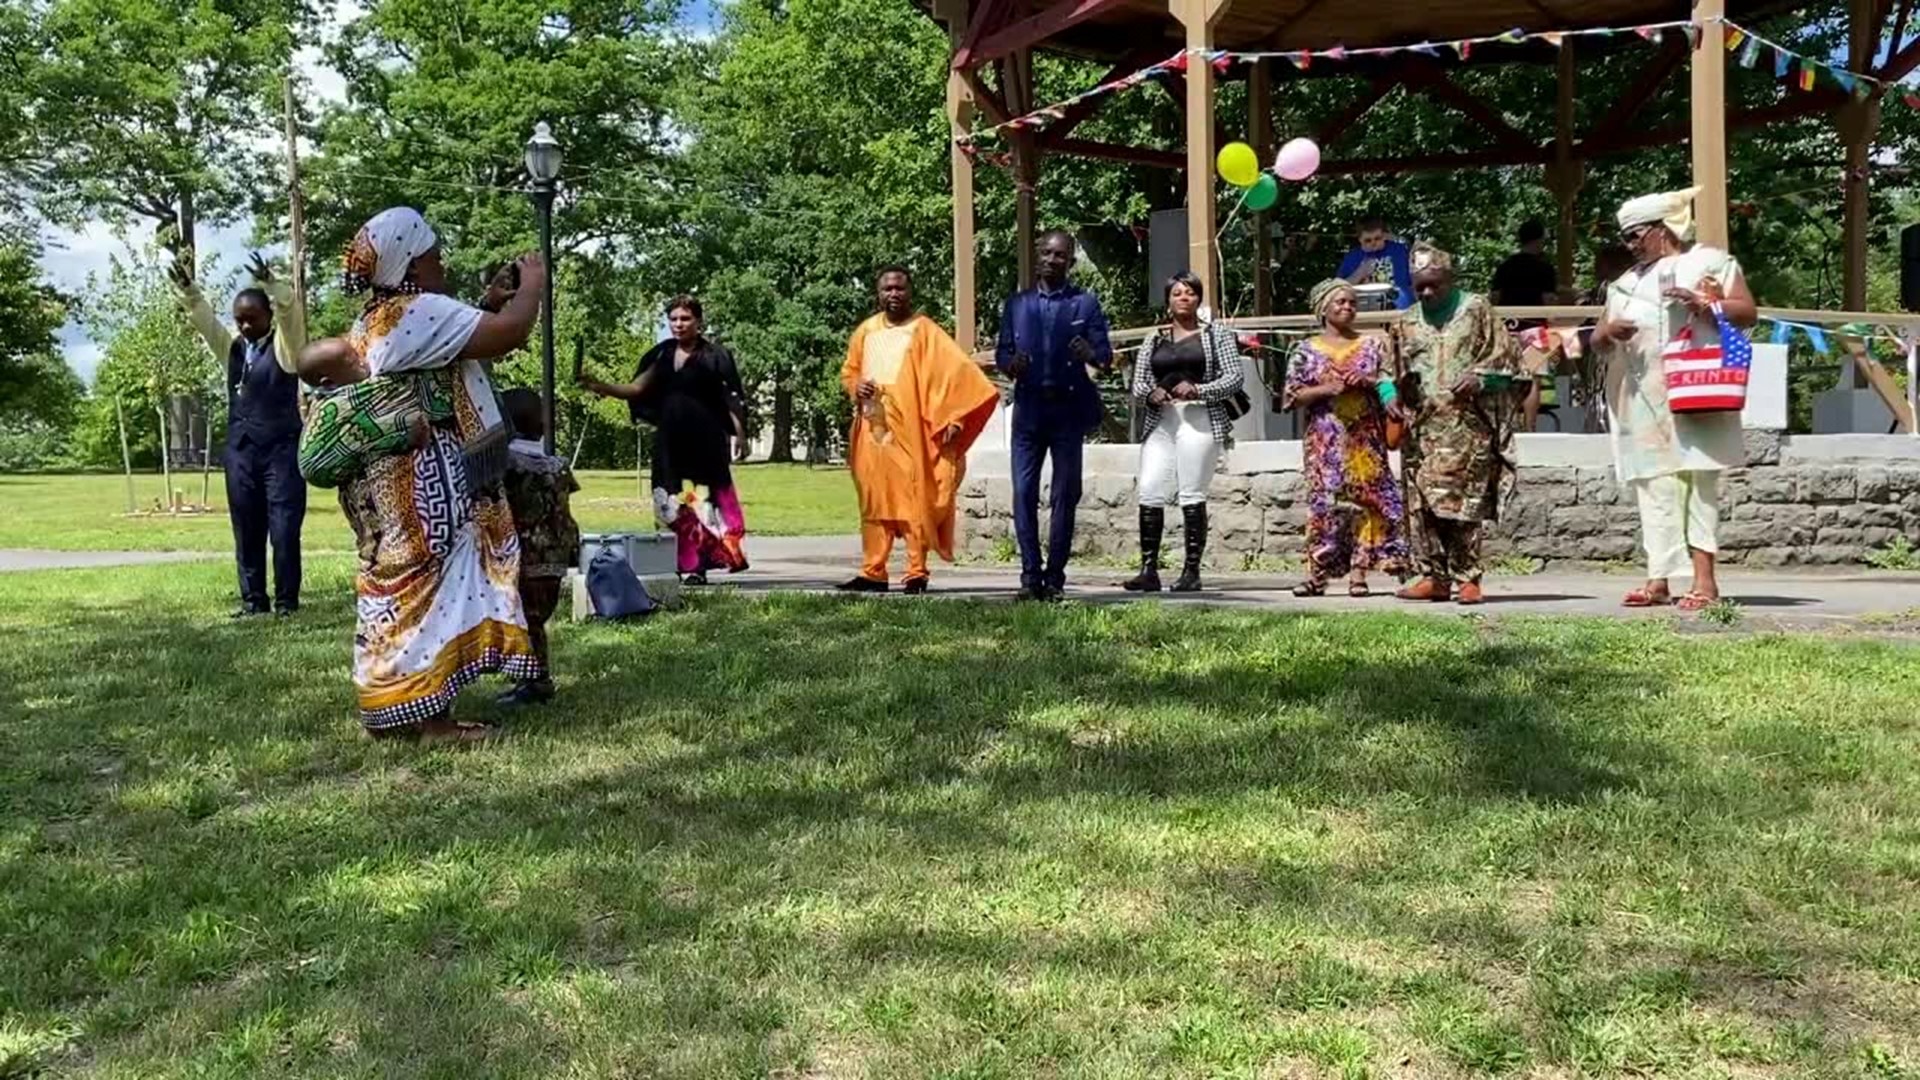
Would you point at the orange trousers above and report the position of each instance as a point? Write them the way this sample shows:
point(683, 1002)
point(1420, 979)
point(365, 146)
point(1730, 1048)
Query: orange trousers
point(876, 541)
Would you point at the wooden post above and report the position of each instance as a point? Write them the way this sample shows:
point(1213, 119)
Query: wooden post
point(966, 314)
point(1709, 69)
point(1858, 122)
point(1260, 117)
point(1017, 74)
point(1198, 16)
point(1566, 176)
point(1882, 384)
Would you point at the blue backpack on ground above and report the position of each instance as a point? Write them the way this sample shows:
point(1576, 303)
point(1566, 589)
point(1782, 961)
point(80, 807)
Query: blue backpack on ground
point(613, 588)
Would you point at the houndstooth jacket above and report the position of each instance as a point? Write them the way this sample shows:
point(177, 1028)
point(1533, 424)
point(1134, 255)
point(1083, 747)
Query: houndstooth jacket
point(1225, 376)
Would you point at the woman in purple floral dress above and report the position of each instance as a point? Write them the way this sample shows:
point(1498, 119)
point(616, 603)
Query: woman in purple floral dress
point(1341, 381)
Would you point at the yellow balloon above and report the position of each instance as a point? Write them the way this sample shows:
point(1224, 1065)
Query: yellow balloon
point(1238, 164)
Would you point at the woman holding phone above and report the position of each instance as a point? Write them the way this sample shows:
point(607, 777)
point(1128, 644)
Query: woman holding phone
point(689, 389)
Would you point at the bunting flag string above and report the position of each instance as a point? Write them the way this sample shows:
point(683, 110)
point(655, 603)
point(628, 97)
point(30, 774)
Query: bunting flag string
point(1747, 47)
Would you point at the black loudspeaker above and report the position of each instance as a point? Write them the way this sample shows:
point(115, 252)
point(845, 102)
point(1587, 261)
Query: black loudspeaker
point(1910, 268)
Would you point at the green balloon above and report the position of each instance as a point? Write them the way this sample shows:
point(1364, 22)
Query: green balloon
point(1264, 193)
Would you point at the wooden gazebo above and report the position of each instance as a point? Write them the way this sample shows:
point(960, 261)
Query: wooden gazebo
point(992, 75)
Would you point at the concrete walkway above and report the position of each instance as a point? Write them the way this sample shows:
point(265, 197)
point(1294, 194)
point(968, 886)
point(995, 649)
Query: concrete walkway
point(817, 564)
point(1769, 599)
point(12, 559)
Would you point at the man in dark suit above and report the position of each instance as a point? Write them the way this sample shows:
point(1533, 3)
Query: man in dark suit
point(1049, 336)
point(266, 497)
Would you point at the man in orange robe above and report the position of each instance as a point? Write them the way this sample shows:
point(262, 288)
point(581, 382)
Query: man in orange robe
point(919, 403)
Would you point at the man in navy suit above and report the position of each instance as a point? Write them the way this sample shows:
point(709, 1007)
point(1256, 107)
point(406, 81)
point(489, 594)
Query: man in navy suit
point(1049, 336)
point(266, 497)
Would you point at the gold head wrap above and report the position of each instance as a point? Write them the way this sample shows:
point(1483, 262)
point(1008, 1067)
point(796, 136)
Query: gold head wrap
point(1321, 295)
point(1428, 257)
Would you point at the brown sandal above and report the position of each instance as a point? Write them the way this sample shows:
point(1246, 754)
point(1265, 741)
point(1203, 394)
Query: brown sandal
point(1358, 590)
point(1310, 588)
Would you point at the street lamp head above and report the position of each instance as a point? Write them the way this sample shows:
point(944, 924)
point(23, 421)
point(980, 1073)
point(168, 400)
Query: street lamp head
point(543, 156)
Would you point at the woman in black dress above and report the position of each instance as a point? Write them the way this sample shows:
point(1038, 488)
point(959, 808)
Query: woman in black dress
point(689, 389)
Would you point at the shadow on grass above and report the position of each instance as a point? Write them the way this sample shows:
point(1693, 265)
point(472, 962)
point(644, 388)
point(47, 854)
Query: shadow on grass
point(202, 842)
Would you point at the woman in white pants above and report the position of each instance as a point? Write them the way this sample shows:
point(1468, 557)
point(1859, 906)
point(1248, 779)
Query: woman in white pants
point(1671, 461)
point(1188, 376)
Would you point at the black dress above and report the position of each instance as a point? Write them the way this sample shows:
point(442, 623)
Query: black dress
point(1175, 362)
point(692, 409)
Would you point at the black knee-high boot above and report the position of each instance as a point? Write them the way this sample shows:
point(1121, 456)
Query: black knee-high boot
point(1153, 523)
point(1196, 523)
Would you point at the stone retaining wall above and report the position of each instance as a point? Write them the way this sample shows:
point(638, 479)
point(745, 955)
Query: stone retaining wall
point(1824, 499)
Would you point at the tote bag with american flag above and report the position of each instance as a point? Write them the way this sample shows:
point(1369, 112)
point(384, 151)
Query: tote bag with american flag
point(1708, 378)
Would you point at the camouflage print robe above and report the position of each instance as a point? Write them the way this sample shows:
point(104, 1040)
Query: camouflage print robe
point(1458, 456)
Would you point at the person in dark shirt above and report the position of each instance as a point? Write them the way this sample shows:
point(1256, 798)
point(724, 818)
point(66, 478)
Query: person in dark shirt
point(1049, 336)
point(1527, 277)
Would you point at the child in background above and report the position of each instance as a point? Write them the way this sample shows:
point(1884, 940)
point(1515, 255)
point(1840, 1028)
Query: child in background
point(539, 486)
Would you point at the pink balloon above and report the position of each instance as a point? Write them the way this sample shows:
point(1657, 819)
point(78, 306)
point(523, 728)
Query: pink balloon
point(1298, 160)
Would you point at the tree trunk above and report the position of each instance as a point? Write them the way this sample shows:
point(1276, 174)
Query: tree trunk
point(166, 463)
point(782, 451)
point(126, 456)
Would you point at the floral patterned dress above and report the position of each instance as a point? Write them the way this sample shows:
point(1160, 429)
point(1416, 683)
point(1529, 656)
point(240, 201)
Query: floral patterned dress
point(1353, 500)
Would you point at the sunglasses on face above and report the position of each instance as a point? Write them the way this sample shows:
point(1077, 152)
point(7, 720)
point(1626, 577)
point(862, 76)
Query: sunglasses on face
point(1635, 234)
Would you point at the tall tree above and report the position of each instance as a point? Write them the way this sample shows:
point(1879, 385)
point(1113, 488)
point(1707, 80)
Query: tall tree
point(157, 111)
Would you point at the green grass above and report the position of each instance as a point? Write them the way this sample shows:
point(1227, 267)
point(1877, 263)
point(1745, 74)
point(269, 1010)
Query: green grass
point(89, 513)
point(796, 837)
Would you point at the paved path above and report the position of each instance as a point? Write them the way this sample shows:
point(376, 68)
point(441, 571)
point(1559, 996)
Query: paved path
point(30, 559)
point(815, 564)
point(1768, 599)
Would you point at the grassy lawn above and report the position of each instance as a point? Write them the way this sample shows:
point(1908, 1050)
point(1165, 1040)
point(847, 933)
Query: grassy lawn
point(88, 513)
point(795, 837)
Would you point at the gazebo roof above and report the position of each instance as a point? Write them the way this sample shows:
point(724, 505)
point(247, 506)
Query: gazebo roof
point(1112, 29)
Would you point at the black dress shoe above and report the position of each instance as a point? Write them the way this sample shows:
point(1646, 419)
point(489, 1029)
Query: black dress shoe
point(695, 578)
point(915, 586)
point(250, 613)
point(527, 693)
point(862, 584)
point(1033, 594)
point(285, 612)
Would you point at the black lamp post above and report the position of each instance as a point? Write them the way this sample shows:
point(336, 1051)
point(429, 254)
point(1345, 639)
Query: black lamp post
point(543, 169)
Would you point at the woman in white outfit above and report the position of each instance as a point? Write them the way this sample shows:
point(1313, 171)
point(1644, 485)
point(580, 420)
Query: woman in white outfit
point(1671, 462)
point(1187, 375)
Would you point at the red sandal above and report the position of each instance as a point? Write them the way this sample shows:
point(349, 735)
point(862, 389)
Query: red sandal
point(1694, 601)
point(1647, 598)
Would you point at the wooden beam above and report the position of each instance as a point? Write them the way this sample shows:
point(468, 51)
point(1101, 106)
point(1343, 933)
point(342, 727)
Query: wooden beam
point(1131, 155)
point(1074, 115)
point(1260, 120)
point(1436, 84)
point(984, 96)
point(1820, 100)
point(1199, 16)
point(1477, 159)
point(1017, 73)
point(966, 311)
point(1882, 384)
point(1566, 176)
point(1335, 127)
point(1709, 135)
point(989, 16)
point(1276, 38)
point(1035, 29)
point(1642, 90)
point(1858, 122)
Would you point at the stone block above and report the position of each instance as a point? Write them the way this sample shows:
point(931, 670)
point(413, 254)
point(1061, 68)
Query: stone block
point(1280, 489)
point(1578, 521)
point(1107, 491)
point(974, 487)
point(1239, 527)
point(1772, 485)
point(1598, 488)
point(1786, 525)
point(1872, 485)
point(1735, 488)
point(1526, 517)
point(1903, 481)
point(1604, 548)
point(1830, 555)
point(1763, 447)
point(1746, 535)
point(1231, 490)
point(1829, 484)
point(1772, 557)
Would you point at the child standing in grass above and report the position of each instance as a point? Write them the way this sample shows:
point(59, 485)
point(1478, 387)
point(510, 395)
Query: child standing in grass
point(539, 487)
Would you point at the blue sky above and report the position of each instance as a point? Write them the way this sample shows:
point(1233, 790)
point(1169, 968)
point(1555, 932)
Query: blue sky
point(71, 257)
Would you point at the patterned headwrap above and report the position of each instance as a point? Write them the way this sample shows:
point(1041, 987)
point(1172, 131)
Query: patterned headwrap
point(382, 253)
point(1674, 209)
point(1428, 257)
point(1321, 295)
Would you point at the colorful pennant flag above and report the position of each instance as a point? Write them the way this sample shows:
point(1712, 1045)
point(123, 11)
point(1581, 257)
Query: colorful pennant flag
point(1301, 60)
point(1338, 52)
point(1844, 79)
point(1782, 63)
point(1750, 52)
point(1651, 33)
point(1514, 36)
point(1912, 100)
point(1554, 38)
point(1464, 48)
point(1425, 48)
point(1816, 337)
point(1735, 37)
point(1693, 35)
point(1806, 74)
